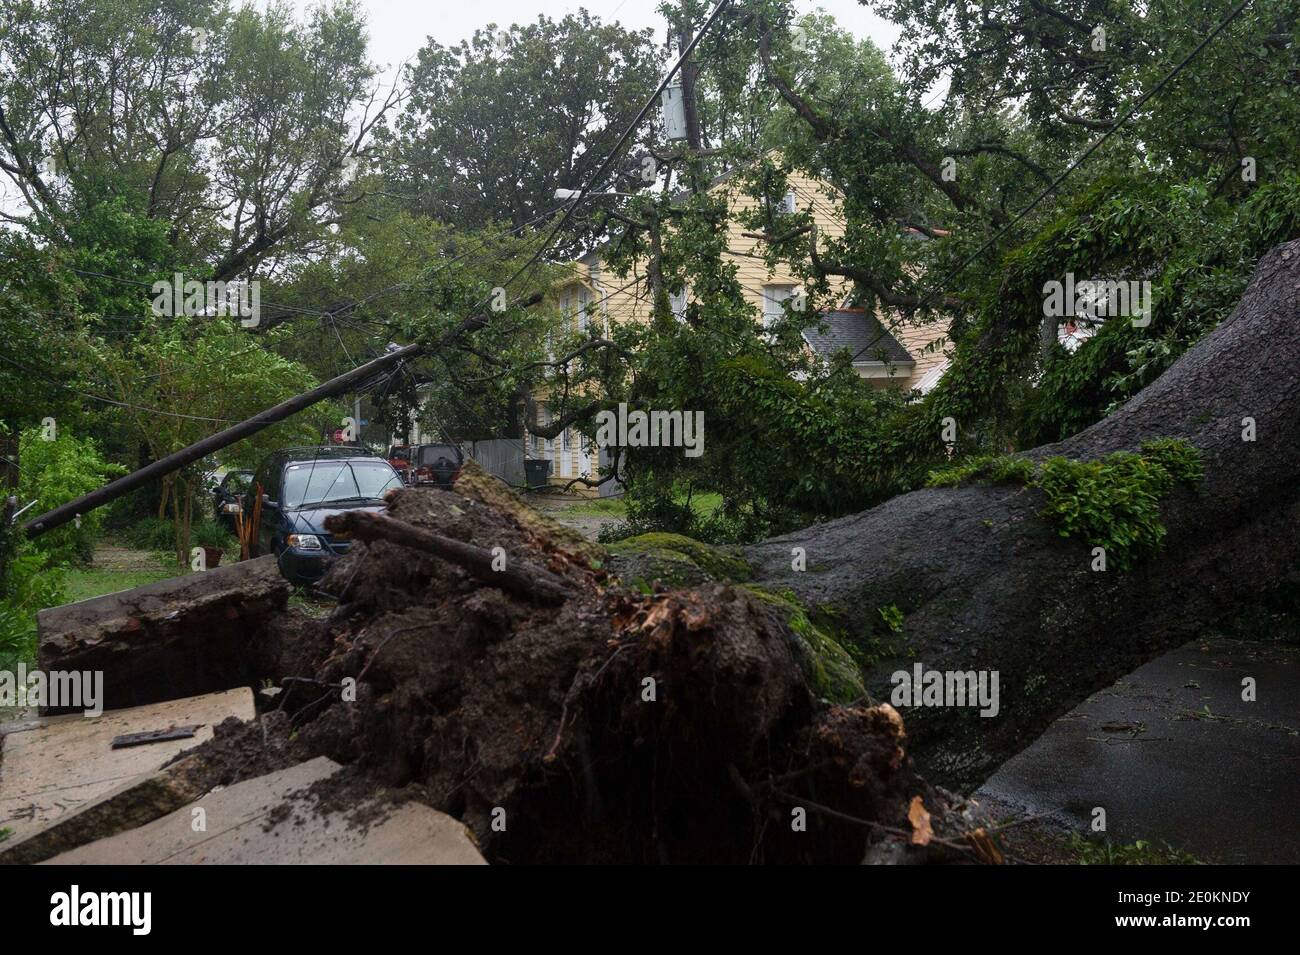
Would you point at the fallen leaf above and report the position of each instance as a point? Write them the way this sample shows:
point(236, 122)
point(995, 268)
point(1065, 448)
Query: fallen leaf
point(1134, 728)
point(920, 820)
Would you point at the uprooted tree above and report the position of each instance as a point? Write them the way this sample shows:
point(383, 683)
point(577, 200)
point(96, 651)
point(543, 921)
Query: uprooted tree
point(584, 709)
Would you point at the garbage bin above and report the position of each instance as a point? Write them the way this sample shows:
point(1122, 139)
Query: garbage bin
point(536, 472)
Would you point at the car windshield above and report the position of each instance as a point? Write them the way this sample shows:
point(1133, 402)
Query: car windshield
point(320, 482)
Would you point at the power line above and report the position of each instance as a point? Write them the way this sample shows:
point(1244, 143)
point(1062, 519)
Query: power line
point(603, 168)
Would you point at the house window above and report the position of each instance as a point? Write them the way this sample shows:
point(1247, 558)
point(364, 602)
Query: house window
point(787, 203)
point(774, 298)
point(584, 455)
point(541, 445)
point(678, 302)
point(573, 305)
point(583, 300)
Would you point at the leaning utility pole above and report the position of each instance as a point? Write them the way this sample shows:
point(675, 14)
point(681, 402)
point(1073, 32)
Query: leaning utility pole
point(174, 462)
point(264, 419)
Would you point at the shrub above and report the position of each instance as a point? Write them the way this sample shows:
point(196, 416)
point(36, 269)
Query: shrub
point(55, 472)
point(212, 534)
point(29, 586)
point(151, 533)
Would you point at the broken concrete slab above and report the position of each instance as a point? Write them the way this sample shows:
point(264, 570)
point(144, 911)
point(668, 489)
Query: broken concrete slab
point(188, 635)
point(274, 819)
point(57, 765)
point(134, 803)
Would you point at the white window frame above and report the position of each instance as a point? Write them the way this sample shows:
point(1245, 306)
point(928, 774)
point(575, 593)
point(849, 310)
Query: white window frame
point(575, 303)
point(678, 302)
point(774, 298)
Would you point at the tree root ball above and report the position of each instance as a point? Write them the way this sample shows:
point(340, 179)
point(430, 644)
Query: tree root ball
point(675, 726)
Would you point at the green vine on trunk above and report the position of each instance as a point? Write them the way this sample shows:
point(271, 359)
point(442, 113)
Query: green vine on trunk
point(1113, 502)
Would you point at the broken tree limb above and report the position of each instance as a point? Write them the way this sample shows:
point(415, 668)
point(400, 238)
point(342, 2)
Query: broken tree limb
point(517, 577)
point(985, 583)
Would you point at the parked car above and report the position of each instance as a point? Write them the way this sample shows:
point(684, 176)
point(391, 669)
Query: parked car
point(399, 456)
point(228, 494)
point(299, 488)
point(437, 465)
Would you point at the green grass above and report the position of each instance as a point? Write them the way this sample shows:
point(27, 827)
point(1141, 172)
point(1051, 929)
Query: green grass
point(705, 504)
point(1104, 852)
point(596, 507)
point(84, 583)
point(702, 504)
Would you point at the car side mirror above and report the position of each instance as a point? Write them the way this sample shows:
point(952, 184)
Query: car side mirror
point(267, 502)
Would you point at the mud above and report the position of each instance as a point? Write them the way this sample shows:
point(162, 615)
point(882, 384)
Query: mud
point(240, 750)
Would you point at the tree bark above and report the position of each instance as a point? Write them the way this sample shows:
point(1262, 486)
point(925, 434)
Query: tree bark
point(985, 583)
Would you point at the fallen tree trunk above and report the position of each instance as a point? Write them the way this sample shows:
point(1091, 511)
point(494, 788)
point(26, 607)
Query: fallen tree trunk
point(985, 583)
point(523, 580)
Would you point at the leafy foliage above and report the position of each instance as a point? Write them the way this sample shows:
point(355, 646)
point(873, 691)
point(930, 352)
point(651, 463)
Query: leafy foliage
point(497, 123)
point(1141, 852)
point(30, 585)
point(55, 472)
point(1113, 502)
point(206, 367)
point(230, 130)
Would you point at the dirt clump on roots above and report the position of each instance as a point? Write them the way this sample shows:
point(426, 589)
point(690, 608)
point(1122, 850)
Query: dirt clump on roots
point(676, 726)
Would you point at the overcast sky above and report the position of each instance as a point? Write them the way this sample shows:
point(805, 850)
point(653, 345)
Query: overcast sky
point(398, 28)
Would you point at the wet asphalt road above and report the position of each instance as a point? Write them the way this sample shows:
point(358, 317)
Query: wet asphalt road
point(1173, 754)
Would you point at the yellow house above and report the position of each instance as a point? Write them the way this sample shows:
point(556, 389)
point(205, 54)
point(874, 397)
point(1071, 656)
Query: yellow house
point(889, 354)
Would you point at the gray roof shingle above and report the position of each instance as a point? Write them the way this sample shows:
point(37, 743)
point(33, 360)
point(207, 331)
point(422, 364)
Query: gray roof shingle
point(854, 329)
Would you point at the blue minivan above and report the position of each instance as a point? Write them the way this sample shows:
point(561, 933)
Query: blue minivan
point(298, 489)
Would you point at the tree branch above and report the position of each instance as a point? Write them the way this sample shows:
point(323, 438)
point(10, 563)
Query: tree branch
point(517, 577)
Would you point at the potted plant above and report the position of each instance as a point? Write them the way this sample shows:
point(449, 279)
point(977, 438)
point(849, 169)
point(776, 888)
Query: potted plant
point(212, 537)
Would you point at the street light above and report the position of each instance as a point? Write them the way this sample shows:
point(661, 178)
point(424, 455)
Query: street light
point(572, 195)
